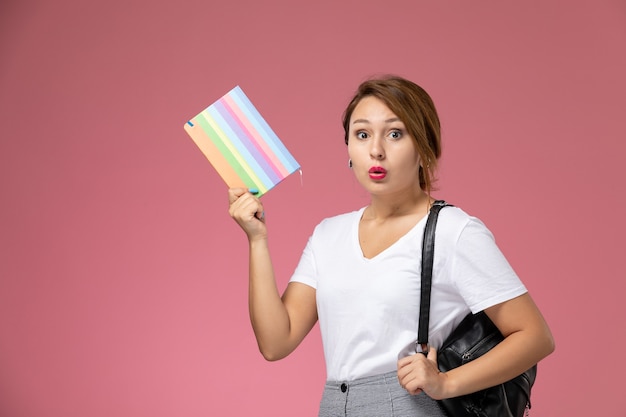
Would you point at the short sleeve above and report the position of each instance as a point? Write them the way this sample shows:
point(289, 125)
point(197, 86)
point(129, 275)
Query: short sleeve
point(306, 272)
point(480, 271)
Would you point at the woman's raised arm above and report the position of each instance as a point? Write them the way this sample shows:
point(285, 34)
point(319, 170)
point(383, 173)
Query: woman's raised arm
point(279, 323)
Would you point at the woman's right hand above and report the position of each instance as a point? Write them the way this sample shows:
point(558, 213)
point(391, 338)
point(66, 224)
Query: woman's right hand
point(247, 211)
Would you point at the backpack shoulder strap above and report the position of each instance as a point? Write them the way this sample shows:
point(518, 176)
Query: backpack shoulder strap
point(428, 256)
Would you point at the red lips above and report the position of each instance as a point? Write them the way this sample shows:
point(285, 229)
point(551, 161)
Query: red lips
point(377, 173)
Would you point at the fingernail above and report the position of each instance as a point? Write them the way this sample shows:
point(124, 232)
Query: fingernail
point(253, 190)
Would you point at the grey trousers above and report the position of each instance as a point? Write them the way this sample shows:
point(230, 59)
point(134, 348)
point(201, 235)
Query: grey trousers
point(375, 396)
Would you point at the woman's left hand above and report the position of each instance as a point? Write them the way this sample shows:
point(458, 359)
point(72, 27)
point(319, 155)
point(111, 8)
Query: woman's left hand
point(417, 373)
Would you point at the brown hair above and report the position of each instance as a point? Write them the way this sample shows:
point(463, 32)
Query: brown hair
point(412, 104)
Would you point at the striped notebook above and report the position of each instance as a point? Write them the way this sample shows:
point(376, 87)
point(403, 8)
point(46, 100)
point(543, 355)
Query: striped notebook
point(240, 144)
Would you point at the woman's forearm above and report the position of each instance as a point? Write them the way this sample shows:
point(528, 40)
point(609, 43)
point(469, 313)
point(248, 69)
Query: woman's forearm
point(527, 341)
point(268, 314)
point(517, 353)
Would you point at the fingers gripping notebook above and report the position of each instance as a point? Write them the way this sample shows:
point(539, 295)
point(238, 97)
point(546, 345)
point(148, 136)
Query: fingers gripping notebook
point(240, 145)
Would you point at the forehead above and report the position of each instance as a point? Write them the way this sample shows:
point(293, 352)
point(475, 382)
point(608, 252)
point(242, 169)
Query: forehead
point(372, 109)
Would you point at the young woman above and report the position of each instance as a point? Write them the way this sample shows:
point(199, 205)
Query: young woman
point(360, 274)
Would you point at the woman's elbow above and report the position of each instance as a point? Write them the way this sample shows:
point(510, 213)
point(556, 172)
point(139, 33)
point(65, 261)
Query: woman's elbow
point(550, 345)
point(547, 342)
point(272, 355)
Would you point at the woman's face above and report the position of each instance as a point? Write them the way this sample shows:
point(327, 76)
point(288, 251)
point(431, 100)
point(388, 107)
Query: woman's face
point(383, 154)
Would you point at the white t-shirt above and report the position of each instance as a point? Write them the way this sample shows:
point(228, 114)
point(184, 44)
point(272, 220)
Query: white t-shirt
point(368, 308)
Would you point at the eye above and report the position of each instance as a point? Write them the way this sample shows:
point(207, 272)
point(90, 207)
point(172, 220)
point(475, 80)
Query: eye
point(395, 134)
point(361, 135)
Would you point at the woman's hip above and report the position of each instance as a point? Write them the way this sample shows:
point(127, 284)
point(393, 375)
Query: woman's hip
point(375, 396)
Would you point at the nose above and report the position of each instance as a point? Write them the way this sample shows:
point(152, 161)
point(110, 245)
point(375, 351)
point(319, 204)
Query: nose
point(377, 149)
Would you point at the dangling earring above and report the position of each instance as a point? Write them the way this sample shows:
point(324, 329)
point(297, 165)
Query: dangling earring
point(349, 163)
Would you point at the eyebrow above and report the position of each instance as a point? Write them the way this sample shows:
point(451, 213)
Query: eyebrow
point(393, 119)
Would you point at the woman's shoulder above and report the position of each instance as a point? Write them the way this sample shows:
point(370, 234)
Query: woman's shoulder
point(454, 220)
point(343, 218)
point(455, 214)
point(338, 223)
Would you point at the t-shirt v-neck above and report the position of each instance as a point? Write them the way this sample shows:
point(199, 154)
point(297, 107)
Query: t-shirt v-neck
point(416, 228)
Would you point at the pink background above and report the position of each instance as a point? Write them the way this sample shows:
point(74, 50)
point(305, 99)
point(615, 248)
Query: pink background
point(122, 278)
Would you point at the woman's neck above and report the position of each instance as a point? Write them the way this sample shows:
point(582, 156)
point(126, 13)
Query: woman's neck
point(385, 207)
